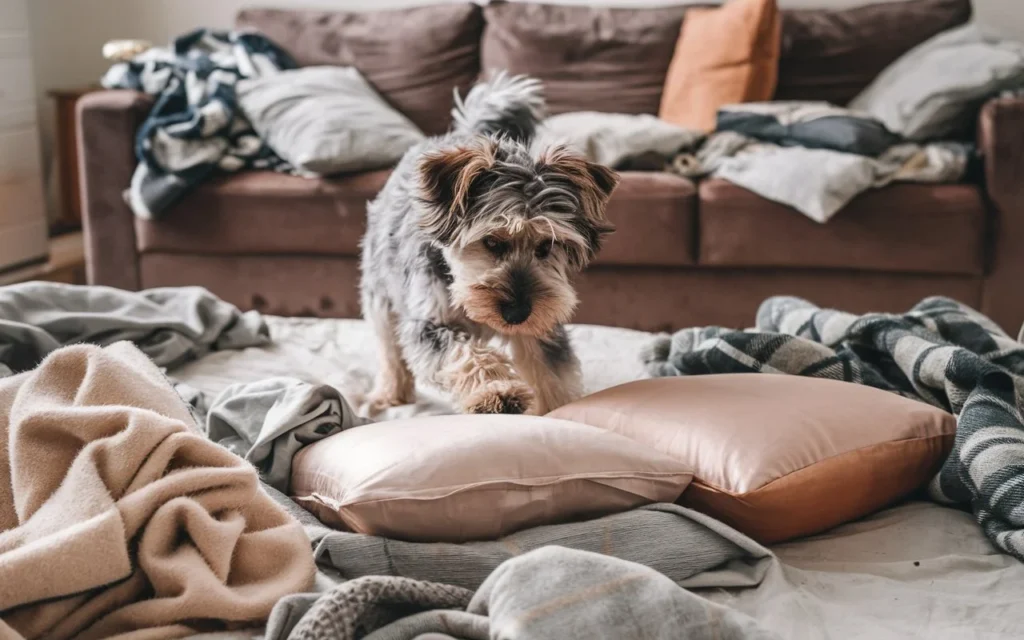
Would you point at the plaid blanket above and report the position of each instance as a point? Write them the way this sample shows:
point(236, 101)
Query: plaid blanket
point(940, 352)
point(195, 128)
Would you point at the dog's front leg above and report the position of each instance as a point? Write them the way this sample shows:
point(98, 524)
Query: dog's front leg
point(549, 365)
point(479, 378)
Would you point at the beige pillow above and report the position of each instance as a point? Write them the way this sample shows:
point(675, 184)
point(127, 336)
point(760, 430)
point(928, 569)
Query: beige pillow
point(476, 477)
point(778, 456)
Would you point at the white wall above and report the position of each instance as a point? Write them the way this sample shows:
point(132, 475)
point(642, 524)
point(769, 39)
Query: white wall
point(67, 35)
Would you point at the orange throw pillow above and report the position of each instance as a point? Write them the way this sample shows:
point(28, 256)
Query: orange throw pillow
point(724, 55)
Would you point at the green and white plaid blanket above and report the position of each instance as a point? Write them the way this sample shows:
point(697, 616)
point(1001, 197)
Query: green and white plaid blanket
point(940, 352)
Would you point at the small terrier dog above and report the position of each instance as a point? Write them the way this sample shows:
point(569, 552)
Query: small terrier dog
point(476, 236)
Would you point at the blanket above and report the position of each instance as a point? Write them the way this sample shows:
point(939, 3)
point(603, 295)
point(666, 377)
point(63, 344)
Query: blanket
point(940, 352)
point(815, 157)
point(118, 517)
point(195, 128)
point(550, 593)
point(170, 325)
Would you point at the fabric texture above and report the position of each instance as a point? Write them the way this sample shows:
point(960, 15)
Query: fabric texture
point(326, 120)
point(617, 140)
point(940, 352)
point(415, 57)
point(171, 326)
point(195, 128)
point(550, 593)
point(831, 55)
point(771, 455)
point(725, 55)
point(476, 477)
point(936, 89)
point(269, 421)
point(118, 517)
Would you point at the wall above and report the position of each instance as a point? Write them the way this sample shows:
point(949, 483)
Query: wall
point(67, 35)
point(22, 220)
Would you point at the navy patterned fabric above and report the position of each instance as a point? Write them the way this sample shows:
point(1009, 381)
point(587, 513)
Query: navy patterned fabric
point(195, 127)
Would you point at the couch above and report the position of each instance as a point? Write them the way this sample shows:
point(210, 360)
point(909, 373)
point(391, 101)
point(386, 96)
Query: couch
point(684, 253)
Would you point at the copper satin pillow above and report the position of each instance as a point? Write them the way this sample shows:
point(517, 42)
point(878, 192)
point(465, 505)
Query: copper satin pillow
point(477, 477)
point(776, 456)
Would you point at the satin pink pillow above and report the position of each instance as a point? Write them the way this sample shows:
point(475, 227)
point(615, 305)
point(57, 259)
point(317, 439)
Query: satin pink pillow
point(777, 456)
point(476, 477)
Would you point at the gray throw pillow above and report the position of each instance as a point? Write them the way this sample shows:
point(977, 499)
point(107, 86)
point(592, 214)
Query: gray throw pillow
point(326, 120)
point(935, 89)
point(616, 139)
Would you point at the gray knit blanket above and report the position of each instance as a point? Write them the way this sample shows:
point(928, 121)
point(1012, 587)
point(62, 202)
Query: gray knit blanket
point(552, 593)
point(940, 352)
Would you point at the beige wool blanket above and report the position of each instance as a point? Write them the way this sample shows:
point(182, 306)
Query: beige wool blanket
point(118, 518)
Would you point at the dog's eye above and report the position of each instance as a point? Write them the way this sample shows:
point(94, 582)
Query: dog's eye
point(495, 246)
point(543, 250)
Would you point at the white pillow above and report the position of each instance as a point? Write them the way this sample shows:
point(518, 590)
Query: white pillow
point(326, 120)
point(935, 90)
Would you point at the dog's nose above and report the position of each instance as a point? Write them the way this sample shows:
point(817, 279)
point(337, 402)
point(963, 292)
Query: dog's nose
point(516, 312)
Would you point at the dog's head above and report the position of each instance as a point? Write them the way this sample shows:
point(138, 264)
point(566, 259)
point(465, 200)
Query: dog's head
point(514, 227)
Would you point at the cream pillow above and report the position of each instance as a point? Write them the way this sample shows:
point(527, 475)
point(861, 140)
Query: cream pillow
point(776, 456)
point(476, 477)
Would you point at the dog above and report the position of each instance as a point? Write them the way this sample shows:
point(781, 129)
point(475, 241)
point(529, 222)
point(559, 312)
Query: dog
point(477, 236)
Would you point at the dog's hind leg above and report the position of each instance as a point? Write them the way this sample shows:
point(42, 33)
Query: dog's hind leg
point(550, 366)
point(395, 384)
point(480, 378)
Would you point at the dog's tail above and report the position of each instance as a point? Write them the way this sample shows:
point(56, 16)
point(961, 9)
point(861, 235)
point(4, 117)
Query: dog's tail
point(505, 105)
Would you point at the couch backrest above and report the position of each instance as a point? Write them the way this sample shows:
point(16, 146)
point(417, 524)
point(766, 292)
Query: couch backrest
point(414, 57)
point(590, 58)
point(833, 55)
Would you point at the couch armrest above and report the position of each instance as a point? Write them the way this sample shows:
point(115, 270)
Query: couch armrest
point(1001, 142)
point(107, 122)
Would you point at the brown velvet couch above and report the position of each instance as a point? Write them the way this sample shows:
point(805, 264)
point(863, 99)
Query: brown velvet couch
point(684, 254)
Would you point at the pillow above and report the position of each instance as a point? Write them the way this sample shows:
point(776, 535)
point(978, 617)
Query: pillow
point(594, 58)
point(937, 88)
point(476, 477)
point(416, 57)
point(616, 139)
point(775, 456)
point(326, 120)
point(725, 55)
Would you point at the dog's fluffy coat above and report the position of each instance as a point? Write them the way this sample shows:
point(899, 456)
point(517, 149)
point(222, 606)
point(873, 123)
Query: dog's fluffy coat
point(476, 236)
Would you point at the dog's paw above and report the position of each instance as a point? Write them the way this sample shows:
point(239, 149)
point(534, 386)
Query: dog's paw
point(499, 396)
point(377, 402)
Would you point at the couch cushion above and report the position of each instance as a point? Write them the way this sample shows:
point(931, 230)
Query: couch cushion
point(414, 57)
point(907, 228)
point(274, 213)
point(265, 212)
point(589, 58)
point(655, 217)
point(832, 54)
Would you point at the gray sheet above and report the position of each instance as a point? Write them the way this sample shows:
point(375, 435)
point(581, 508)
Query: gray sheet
point(551, 593)
point(267, 422)
point(171, 326)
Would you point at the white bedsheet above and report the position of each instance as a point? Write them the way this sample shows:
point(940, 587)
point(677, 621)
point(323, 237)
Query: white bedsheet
point(915, 571)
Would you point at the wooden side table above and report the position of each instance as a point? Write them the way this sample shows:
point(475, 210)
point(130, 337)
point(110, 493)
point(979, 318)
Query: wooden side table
point(65, 149)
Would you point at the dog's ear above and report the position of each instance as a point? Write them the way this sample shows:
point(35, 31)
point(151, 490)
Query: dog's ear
point(445, 179)
point(595, 183)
